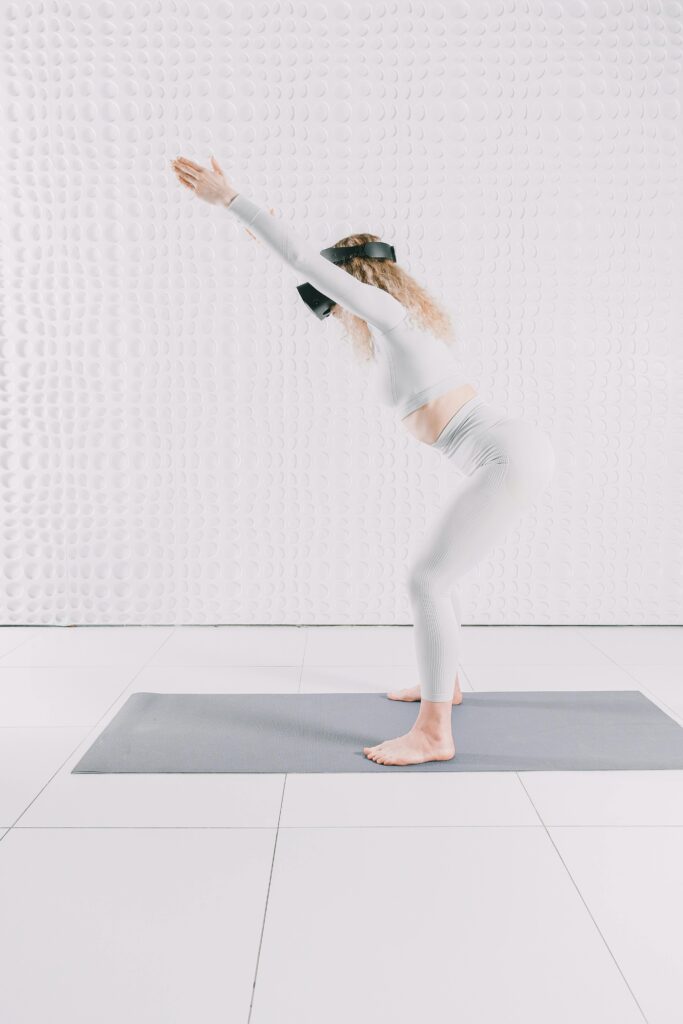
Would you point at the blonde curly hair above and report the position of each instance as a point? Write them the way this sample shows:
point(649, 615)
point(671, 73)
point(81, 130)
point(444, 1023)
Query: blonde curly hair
point(426, 312)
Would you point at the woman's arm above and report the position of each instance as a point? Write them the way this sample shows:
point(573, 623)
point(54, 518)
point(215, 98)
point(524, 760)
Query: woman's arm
point(365, 300)
point(373, 304)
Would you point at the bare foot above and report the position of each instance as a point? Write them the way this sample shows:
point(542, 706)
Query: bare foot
point(413, 693)
point(413, 748)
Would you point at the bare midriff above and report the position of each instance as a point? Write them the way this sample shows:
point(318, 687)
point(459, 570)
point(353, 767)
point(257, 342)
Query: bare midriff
point(427, 422)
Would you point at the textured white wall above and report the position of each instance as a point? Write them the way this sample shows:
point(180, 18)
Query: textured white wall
point(182, 442)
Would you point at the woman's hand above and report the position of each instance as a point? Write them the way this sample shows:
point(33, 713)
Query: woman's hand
point(209, 185)
point(212, 186)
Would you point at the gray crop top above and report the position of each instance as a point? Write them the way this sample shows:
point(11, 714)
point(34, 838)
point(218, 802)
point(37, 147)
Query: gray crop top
point(412, 366)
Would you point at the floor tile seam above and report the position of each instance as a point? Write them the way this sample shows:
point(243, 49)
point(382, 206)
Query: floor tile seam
point(265, 908)
point(318, 664)
point(143, 828)
point(618, 664)
point(84, 738)
point(467, 664)
point(67, 728)
point(172, 630)
point(417, 827)
point(530, 802)
point(264, 828)
point(16, 648)
point(228, 664)
point(587, 908)
point(303, 662)
point(79, 664)
point(657, 700)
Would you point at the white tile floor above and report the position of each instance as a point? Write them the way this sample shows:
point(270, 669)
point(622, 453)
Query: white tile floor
point(484, 897)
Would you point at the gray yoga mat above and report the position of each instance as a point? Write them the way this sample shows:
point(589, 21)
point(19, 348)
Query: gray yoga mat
point(326, 732)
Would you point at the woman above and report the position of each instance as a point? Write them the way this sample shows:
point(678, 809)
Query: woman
point(505, 461)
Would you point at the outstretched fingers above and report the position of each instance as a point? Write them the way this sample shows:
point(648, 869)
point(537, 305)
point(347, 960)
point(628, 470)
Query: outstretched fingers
point(188, 165)
point(187, 174)
point(185, 179)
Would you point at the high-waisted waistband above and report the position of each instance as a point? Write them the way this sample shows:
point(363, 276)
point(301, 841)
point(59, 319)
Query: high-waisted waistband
point(464, 438)
point(487, 416)
point(481, 434)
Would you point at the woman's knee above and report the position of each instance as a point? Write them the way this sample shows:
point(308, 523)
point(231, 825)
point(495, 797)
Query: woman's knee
point(426, 580)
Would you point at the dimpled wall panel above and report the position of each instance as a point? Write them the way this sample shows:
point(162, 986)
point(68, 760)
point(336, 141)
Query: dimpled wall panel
point(181, 441)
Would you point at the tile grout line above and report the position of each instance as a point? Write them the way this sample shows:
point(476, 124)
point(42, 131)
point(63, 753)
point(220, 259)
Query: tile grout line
point(272, 863)
point(643, 688)
point(265, 908)
point(583, 900)
point(295, 828)
point(303, 659)
point(551, 664)
point(13, 649)
point(84, 739)
point(668, 709)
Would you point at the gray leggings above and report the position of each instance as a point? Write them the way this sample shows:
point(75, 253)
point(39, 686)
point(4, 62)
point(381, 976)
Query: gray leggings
point(506, 463)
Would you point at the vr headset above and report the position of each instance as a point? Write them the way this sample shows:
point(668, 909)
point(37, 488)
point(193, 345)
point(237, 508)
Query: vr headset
point(321, 304)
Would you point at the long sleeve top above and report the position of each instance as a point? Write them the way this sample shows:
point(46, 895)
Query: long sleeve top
point(412, 366)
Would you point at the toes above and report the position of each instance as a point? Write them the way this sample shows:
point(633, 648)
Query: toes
point(375, 753)
point(381, 753)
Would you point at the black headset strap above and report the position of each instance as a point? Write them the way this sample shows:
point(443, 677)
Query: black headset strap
point(373, 250)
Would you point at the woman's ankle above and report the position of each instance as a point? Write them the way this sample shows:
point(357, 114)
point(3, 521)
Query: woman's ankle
point(434, 719)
